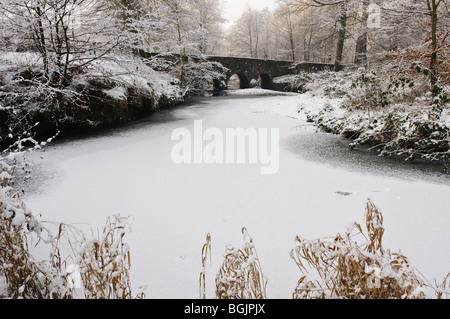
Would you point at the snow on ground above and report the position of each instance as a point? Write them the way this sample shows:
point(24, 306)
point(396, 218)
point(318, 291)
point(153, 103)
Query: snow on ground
point(130, 172)
point(19, 59)
point(117, 93)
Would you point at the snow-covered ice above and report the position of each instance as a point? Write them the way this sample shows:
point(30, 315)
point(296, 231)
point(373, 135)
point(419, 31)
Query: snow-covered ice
point(129, 171)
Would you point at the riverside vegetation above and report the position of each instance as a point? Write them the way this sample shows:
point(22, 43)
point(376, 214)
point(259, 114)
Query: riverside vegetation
point(393, 112)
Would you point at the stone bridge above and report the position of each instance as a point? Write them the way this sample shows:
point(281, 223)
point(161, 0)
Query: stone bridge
point(248, 69)
point(264, 71)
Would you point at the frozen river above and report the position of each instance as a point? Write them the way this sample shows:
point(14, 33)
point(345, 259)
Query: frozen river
point(321, 188)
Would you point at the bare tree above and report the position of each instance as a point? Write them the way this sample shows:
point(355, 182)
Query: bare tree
point(246, 33)
point(342, 29)
point(341, 23)
point(430, 45)
point(286, 21)
point(68, 34)
point(208, 17)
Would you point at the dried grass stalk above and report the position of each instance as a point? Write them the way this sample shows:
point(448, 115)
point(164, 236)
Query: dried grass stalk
point(24, 276)
point(241, 276)
point(442, 290)
point(349, 270)
point(105, 262)
point(206, 250)
point(16, 264)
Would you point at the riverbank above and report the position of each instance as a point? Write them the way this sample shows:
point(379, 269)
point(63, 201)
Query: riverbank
point(105, 93)
point(392, 120)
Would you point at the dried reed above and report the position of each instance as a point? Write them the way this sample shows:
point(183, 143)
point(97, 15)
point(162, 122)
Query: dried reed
point(241, 276)
point(105, 262)
point(349, 270)
point(206, 250)
point(24, 276)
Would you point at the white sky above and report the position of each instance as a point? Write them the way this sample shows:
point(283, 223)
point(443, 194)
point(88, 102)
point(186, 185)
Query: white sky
point(233, 9)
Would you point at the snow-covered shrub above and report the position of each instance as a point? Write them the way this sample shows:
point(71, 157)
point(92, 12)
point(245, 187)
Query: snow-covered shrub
point(429, 63)
point(349, 269)
point(368, 91)
point(200, 75)
point(130, 73)
point(379, 88)
point(240, 276)
point(408, 134)
point(292, 83)
point(330, 84)
point(24, 98)
point(392, 112)
point(441, 100)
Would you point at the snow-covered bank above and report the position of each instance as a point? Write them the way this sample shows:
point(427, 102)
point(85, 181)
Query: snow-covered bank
point(340, 103)
point(109, 91)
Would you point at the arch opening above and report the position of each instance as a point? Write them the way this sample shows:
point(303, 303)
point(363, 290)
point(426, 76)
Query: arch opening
point(266, 81)
point(238, 81)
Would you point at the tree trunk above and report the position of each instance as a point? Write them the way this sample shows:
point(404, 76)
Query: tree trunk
point(308, 52)
point(304, 49)
point(257, 35)
point(361, 43)
point(341, 37)
point(182, 55)
point(250, 36)
point(291, 40)
point(291, 36)
point(432, 8)
point(41, 44)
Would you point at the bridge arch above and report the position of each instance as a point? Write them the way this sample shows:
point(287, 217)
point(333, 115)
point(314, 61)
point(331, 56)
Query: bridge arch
point(244, 81)
point(263, 70)
point(266, 81)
